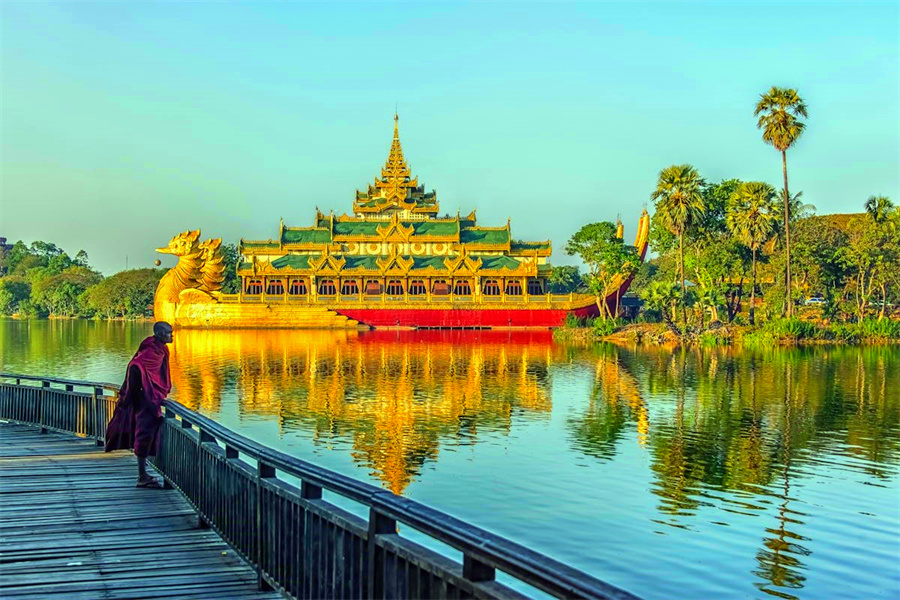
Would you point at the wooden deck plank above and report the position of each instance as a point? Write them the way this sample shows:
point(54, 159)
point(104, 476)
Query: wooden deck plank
point(72, 522)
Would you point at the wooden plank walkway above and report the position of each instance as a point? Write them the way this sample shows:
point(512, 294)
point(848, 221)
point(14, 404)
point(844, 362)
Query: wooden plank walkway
point(72, 523)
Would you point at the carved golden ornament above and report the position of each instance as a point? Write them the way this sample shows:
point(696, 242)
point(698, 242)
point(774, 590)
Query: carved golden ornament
point(439, 248)
point(395, 182)
point(373, 248)
point(417, 248)
point(327, 263)
point(212, 271)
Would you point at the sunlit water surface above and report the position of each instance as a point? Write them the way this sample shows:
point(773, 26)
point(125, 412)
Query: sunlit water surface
point(699, 474)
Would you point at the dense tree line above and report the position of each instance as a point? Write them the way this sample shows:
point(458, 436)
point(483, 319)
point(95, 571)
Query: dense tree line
point(717, 244)
point(42, 280)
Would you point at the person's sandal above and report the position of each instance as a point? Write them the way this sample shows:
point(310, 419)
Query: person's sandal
point(151, 483)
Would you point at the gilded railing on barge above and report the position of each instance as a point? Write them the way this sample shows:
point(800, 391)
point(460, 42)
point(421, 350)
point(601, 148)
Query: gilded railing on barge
point(271, 508)
point(559, 301)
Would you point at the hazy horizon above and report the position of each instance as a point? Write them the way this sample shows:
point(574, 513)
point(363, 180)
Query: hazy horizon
point(123, 124)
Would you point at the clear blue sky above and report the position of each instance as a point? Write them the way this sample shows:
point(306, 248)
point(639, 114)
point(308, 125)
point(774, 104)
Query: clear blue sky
point(123, 123)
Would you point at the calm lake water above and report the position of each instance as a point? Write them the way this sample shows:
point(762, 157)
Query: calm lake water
point(697, 474)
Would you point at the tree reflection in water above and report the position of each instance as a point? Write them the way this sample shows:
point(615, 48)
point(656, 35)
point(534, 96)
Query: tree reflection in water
point(742, 423)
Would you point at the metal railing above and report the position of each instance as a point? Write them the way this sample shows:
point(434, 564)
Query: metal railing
point(300, 543)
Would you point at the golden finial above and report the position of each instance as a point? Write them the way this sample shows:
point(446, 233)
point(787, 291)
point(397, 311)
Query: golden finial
point(396, 126)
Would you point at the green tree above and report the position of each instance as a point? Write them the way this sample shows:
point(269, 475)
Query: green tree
point(606, 257)
point(779, 111)
point(13, 291)
point(564, 279)
point(879, 208)
point(231, 283)
point(59, 294)
point(662, 297)
point(125, 294)
point(752, 220)
point(679, 205)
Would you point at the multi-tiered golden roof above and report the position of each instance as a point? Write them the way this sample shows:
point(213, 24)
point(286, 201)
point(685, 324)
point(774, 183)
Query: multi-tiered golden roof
point(394, 243)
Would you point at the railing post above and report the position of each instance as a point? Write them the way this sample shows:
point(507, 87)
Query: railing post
point(42, 401)
point(99, 427)
point(379, 524)
point(263, 471)
point(475, 570)
point(201, 484)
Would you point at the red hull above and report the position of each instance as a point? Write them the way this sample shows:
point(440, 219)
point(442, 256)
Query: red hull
point(443, 317)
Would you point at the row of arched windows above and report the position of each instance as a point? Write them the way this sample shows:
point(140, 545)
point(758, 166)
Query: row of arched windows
point(395, 287)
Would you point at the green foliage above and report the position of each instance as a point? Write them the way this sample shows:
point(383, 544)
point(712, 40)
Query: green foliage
point(125, 294)
point(604, 327)
point(662, 297)
point(13, 291)
point(779, 111)
point(573, 322)
point(605, 255)
point(679, 198)
point(779, 331)
point(564, 279)
point(58, 294)
point(42, 280)
point(231, 283)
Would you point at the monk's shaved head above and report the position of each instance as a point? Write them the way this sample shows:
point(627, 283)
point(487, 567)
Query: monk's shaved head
point(163, 331)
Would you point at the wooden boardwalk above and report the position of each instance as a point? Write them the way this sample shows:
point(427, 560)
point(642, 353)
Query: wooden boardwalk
point(72, 523)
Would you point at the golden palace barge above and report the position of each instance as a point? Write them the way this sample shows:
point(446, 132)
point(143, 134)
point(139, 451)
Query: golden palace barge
point(393, 263)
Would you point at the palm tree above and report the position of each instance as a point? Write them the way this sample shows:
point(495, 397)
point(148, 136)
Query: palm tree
point(661, 296)
point(797, 209)
point(779, 111)
point(679, 204)
point(879, 208)
point(751, 218)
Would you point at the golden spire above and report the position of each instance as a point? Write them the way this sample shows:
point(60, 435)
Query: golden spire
point(395, 176)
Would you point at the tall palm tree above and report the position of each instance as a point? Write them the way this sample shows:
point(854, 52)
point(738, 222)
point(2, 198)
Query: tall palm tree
point(752, 218)
point(679, 204)
point(779, 111)
point(879, 208)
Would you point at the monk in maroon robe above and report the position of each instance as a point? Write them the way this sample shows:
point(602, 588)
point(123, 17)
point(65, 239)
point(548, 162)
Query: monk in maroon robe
point(136, 421)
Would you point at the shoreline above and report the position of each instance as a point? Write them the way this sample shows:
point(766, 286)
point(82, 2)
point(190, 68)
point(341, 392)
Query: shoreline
point(738, 336)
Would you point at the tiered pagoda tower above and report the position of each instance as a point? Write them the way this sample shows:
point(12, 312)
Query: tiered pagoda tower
point(394, 246)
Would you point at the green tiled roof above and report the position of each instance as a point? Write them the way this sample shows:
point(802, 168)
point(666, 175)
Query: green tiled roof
point(429, 262)
point(362, 262)
point(476, 235)
point(292, 261)
point(496, 263)
point(436, 228)
point(369, 228)
point(260, 245)
point(519, 245)
point(305, 236)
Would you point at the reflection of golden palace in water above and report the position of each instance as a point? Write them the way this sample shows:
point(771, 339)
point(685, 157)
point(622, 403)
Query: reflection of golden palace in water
point(396, 395)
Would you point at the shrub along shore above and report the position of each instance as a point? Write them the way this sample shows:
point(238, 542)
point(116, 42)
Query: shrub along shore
point(778, 332)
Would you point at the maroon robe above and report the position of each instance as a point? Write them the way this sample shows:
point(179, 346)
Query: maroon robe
point(135, 423)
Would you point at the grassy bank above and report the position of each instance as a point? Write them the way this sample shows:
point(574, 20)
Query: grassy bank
point(778, 332)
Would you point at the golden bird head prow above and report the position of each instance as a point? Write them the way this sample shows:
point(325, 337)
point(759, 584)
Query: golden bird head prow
point(182, 244)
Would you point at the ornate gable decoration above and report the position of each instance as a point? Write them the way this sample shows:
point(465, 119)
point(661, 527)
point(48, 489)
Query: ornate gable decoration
point(395, 263)
point(326, 263)
point(462, 264)
point(394, 230)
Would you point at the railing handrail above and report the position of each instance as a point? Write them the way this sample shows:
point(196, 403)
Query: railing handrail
point(527, 565)
point(112, 387)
